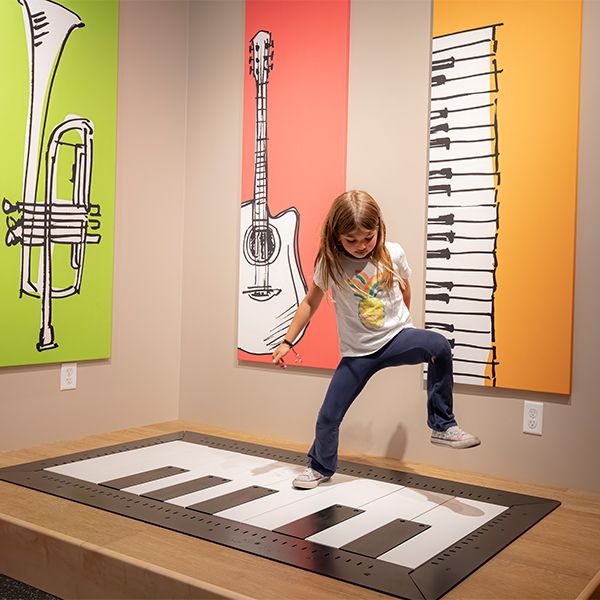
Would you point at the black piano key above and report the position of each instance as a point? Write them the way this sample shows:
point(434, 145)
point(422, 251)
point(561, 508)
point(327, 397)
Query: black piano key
point(220, 503)
point(323, 519)
point(187, 487)
point(380, 540)
point(143, 477)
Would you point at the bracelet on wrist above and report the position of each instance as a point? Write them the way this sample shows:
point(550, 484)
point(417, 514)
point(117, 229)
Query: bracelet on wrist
point(284, 341)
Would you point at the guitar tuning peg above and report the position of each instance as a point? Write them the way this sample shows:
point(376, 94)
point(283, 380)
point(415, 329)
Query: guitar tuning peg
point(250, 70)
point(250, 60)
point(272, 44)
point(250, 47)
point(272, 54)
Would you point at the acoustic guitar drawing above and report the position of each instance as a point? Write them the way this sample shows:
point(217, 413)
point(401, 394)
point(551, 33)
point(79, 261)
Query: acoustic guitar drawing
point(271, 281)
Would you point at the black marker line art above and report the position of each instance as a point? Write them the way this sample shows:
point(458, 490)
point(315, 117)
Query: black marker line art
point(474, 205)
point(447, 190)
point(450, 219)
point(454, 343)
point(452, 329)
point(449, 285)
point(450, 61)
point(450, 236)
point(445, 112)
point(459, 376)
point(461, 158)
point(443, 79)
point(272, 284)
point(464, 171)
point(449, 173)
point(446, 254)
point(465, 269)
point(32, 224)
point(447, 297)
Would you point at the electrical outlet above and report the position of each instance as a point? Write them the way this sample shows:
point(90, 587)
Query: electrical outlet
point(533, 413)
point(68, 376)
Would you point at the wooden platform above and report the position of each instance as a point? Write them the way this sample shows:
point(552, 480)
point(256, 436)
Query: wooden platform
point(74, 551)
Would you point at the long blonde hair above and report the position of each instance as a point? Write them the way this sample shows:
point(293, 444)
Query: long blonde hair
point(354, 210)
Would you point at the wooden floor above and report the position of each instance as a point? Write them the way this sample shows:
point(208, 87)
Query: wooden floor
point(75, 551)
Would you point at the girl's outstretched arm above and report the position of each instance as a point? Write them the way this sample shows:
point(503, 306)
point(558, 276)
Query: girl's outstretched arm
point(303, 315)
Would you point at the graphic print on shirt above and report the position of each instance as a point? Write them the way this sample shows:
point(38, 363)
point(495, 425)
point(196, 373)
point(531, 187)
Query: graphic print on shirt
point(371, 311)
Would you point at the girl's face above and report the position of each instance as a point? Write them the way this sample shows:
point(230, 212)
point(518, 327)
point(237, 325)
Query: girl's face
point(359, 242)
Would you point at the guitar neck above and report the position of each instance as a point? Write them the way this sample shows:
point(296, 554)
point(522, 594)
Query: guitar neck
point(259, 211)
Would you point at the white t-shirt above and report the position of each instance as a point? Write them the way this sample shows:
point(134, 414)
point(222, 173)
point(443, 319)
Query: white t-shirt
point(367, 317)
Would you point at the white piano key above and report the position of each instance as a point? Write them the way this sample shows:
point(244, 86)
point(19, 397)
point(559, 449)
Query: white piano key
point(240, 478)
point(455, 148)
point(475, 65)
point(471, 380)
point(463, 282)
point(480, 323)
point(459, 194)
point(465, 213)
point(482, 354)
point(462, 38)
point(459, 103)
point(475, 339)
point(457, 244)
point(406, 503)
point(439, 221)
point(479, 48)
point(465, 292)
point(353, 493)
point(464, 368)
point(475, 111)
point(472, 131)
point(482, 84)
point(459, 306)
point(459, 299)
point(471, 278)
point(227, 469)
point(458, 181)
point(485, 165)
point(286, 495)
point(177, 453)
point(112, 466)
point(449, 522)
point(463, 261)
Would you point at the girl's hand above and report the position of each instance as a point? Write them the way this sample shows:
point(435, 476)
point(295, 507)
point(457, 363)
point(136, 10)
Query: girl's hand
point(279, 353)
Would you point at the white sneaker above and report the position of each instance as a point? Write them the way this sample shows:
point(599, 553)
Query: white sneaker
point(309, 479)
point(455, 437)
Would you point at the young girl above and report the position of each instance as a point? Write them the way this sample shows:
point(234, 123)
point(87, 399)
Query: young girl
point(369, 284)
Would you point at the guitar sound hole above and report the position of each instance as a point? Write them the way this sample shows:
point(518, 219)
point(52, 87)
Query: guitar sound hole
point(261, 245)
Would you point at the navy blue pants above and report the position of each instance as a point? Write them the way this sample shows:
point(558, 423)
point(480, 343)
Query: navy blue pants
point(411, 346)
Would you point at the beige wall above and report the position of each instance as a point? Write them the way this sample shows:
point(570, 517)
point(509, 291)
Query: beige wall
point(388, 128)
point(140, 383)
point(175, 321)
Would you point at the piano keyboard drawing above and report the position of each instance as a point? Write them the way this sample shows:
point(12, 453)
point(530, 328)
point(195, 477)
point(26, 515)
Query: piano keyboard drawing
point(399, 533)
point(464, 179)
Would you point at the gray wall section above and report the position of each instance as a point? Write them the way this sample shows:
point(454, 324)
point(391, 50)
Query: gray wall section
point(175, 301)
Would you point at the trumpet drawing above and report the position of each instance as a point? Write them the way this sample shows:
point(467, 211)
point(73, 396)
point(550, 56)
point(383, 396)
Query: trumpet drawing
point(41, 225)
